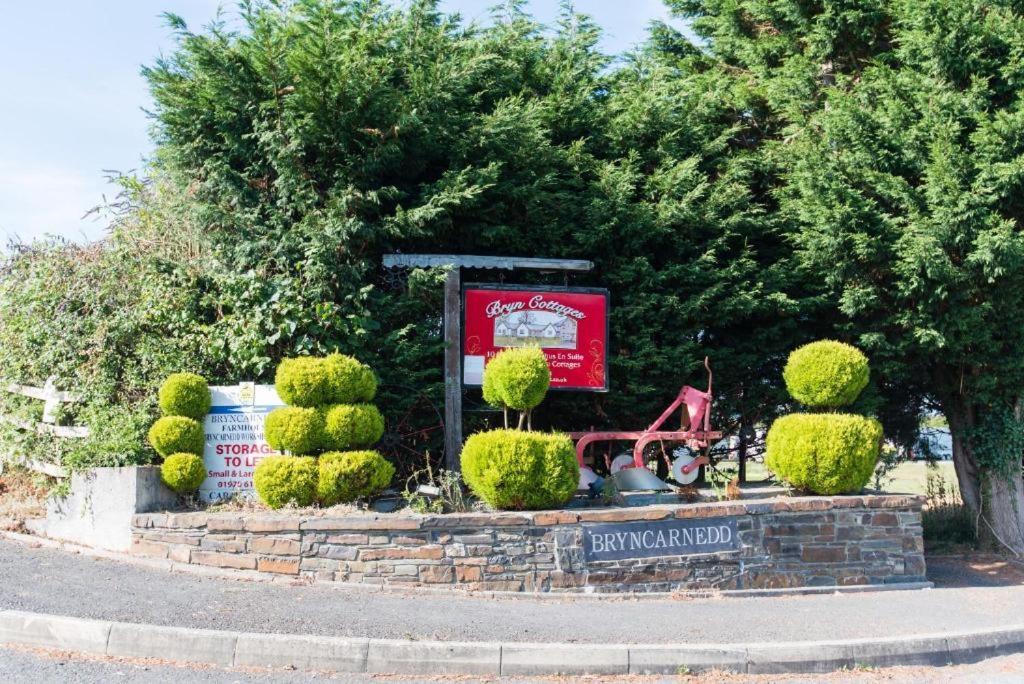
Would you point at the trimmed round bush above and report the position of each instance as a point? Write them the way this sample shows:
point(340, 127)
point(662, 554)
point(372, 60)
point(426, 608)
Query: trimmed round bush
point(517, 378)
point(284, 480)
point(826, 374)
point(352, 425)
point(824, 453)
point(294, 429)
point(185, 394)
point(351, 381)
point(517, 470)
point(303, 381)
point(183, 473)
point(349, 475)
point(176, 435)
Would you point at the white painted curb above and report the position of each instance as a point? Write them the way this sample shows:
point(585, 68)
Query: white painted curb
point(335, 654)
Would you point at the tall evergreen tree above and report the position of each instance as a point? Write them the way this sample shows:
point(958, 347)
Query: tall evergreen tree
point(897, 129)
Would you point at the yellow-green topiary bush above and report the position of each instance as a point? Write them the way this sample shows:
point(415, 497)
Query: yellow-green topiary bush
point(183, 473)
point(352, 425)
point(516, 470)
point(345, 476)
point(286, 480)
point(826, 374)
point(176, 434)
point(824, 453)
point(185, 394)
point(517, 378)
point(294, 429)
point(350, 380)
point(303, 381)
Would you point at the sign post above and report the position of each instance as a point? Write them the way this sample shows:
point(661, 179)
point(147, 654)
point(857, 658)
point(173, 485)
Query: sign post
point(453, 373)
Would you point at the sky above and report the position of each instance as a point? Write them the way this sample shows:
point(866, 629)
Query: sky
point(72, 101)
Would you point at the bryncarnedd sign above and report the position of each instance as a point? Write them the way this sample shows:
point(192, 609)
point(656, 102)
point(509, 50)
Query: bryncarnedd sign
point(234, 441)
point(620, 541)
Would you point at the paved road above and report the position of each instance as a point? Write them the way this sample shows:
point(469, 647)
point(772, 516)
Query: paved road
point(36, 666)
point(53, 581)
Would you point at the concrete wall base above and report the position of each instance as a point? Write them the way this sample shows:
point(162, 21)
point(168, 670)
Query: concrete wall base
point(98, 510)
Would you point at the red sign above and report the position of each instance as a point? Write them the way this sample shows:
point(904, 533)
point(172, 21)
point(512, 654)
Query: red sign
point(570, 325)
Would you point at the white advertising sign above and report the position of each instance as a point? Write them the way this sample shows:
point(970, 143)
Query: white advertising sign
point(234, 439)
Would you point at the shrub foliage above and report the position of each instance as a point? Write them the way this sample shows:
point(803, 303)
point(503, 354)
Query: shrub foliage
point(345, 476)
point(176, 434)
point(183, 473)
point(826, 374)
point(352, 425)
point(286, 480)
point(351, 381)
point(516, 470)
point(184, 394)
point(824, 453)
point(295, 430)
point(517, 378)
point(303, 381)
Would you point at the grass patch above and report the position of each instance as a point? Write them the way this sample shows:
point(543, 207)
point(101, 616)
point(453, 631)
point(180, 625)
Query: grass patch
point(947, 525)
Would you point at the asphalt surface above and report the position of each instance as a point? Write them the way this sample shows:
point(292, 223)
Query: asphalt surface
point(52, 581)
point(36, 666)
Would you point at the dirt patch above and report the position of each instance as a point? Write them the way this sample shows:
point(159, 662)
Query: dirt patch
point(22, 495)
point(974, 570)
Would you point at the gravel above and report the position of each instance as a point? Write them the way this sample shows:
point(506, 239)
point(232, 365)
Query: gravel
point(52, 581)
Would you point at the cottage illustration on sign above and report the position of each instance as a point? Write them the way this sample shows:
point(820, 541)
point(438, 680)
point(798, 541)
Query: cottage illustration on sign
point(535, 329)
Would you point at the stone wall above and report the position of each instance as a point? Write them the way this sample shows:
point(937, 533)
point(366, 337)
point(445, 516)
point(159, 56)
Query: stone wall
point(781, 543)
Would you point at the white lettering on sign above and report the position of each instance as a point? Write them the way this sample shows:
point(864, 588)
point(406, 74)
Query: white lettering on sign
point(536, 303)
point(668, 538)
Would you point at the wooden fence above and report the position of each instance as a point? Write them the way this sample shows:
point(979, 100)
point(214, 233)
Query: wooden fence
point(52, 398)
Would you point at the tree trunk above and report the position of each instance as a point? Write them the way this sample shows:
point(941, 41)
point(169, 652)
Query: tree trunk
point(1002, 515)
point(995, 500)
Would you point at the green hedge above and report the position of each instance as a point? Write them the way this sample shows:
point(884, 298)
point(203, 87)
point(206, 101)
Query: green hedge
point(185, 394)
point(296, 430)
point(303, 381)
point(516, 470)
point(352, 425)
point(826, 374)
point(824, 453)
point(176, 434)
point(286, 480)
point(183, 473)
point(350, 475)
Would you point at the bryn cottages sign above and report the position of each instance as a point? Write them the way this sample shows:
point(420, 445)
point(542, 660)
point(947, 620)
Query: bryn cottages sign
point(569, 324)
point(619, 541)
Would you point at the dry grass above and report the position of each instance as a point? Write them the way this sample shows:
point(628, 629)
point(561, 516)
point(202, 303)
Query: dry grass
point(22, 495)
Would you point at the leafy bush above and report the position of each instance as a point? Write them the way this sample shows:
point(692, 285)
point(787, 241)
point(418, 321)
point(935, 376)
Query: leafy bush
point(516, 470)
point(295, 430)
point(117, 437)
point(517, 378)
point(183, 473)
point(303, 381)
point(185, 394)
point(826, 374)
point(284, 480)
point(176, 434)
point(824, 453)
point(350, 380)
point(349, 475)
point(352, 425)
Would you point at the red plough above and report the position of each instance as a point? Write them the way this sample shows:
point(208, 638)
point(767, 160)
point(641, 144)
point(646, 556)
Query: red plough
point(695, 430)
